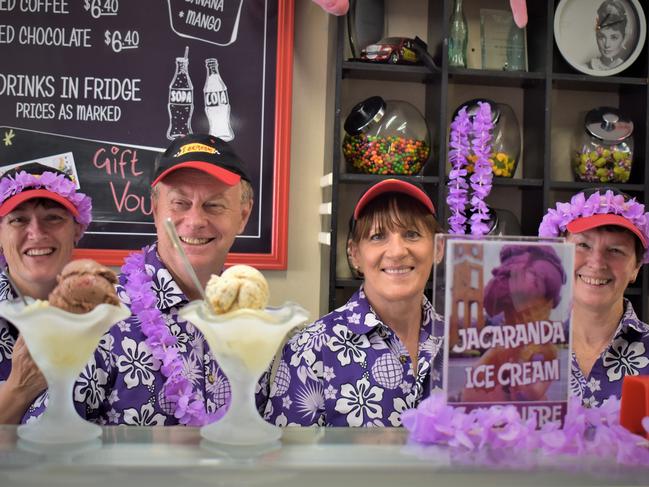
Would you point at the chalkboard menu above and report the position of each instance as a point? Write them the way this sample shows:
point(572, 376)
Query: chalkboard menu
point(101, 87)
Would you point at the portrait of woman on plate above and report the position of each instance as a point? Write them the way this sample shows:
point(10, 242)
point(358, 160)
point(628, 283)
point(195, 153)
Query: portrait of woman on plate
point(611, 36)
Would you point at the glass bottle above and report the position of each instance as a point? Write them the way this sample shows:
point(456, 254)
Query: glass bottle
point(457, 38)
point(181, 100)
point(217, 104)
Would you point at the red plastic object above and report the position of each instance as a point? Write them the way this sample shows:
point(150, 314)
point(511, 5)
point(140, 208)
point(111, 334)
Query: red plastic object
point(635, 403)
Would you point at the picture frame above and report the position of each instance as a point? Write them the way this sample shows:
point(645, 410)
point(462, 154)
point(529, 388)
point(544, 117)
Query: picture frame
point(600, 38)
point(482, 296)
point(503, 45)
point(108, 106)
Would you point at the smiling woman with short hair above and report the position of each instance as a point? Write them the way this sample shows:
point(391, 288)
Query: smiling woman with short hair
point(610, 231)
point(368, 361)
point(42, 217)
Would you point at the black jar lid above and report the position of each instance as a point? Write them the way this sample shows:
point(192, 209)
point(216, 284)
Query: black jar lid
point(607, 123)
point(363, 114)
point(472, 108)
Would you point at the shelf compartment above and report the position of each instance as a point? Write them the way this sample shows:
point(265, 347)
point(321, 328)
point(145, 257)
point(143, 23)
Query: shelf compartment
point(521, 79)
point(373, 178)
point(577, 186)
point(582, 82)
point(388, 72)
point(514, 182)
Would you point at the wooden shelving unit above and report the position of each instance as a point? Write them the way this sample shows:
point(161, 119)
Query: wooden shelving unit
point(542, 91)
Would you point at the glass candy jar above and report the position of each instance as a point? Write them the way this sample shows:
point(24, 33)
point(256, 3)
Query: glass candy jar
point(501, 222)
point(385, 137)
point(603, 151)
point(505, 140)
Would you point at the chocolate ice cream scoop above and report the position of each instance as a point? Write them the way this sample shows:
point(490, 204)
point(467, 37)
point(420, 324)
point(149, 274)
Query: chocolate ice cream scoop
point(82, 285)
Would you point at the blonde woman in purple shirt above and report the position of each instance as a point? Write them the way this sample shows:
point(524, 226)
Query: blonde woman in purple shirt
point(611, 234)
point(42, 217)
point(369, 360)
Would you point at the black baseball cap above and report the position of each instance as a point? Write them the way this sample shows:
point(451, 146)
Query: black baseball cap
point(205, 153)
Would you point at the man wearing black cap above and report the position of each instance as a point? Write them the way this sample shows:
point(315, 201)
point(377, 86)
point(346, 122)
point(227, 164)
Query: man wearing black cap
point(153, 368)
point(208, 212)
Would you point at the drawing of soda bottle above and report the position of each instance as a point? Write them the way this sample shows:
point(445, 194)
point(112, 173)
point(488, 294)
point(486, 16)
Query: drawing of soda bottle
point(217, 104)
point(181, 100)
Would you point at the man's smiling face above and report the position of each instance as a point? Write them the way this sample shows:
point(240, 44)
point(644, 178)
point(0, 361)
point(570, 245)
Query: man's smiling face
point(207, 214)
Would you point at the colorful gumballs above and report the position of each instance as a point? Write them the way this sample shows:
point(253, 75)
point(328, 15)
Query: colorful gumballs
point(385, 155)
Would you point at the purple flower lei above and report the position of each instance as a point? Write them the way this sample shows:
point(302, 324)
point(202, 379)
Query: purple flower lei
point(188, 406)
point(556, 220)
point(467, 136)
point(56, 183)
point(457, 185)
point(586, 431)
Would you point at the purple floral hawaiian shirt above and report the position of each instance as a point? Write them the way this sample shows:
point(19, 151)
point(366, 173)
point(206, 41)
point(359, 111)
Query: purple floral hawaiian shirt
point(350, 369)
point(123, 383)
point(8, 334)
point(628, 354)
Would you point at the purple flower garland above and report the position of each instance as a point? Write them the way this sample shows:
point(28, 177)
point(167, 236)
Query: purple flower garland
point(457, 185)
point(467, 136)
point(586, 431)
point(556, 220)
point(56, 183)
point(482, 173)
point(188, 405)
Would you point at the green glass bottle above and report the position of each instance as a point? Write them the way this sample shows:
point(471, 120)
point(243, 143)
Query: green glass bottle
point(457, 38)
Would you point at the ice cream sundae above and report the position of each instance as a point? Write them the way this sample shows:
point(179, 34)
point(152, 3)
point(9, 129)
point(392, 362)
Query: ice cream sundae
point(243, 335)
point(238, 287)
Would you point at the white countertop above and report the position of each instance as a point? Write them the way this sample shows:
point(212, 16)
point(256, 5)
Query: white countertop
point(306, 457)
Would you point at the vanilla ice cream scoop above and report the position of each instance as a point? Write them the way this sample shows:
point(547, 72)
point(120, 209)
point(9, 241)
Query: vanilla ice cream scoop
point(240, 286)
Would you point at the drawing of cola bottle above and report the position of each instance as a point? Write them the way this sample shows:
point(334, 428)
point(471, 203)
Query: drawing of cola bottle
point(217, 104)
point(181, 100)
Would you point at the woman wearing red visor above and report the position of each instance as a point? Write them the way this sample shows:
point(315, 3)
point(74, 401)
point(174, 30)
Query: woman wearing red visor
point(611, 234)
point(366, 362)
point(42, 217)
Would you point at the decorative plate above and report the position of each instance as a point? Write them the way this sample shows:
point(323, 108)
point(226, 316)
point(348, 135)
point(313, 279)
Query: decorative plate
point(600, 37)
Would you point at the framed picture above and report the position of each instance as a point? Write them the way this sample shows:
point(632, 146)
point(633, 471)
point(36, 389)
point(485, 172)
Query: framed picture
point(503, 45)
point(106, 87)
point(486, 296)
point(600, 37)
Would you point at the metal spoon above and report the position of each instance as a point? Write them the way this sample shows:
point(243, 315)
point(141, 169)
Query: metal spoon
point(16, 290)
point(173, 235)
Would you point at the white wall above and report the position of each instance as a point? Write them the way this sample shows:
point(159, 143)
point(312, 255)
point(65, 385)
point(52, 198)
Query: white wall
point(305, 280)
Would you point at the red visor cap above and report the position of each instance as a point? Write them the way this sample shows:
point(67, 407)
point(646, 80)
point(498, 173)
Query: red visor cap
point(393, 186)
point(589, 222)
point(11, 203)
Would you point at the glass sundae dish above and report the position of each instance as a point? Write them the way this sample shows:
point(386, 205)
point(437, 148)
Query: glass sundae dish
point(61, 334)
point(61, 343)
point(243, 342)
